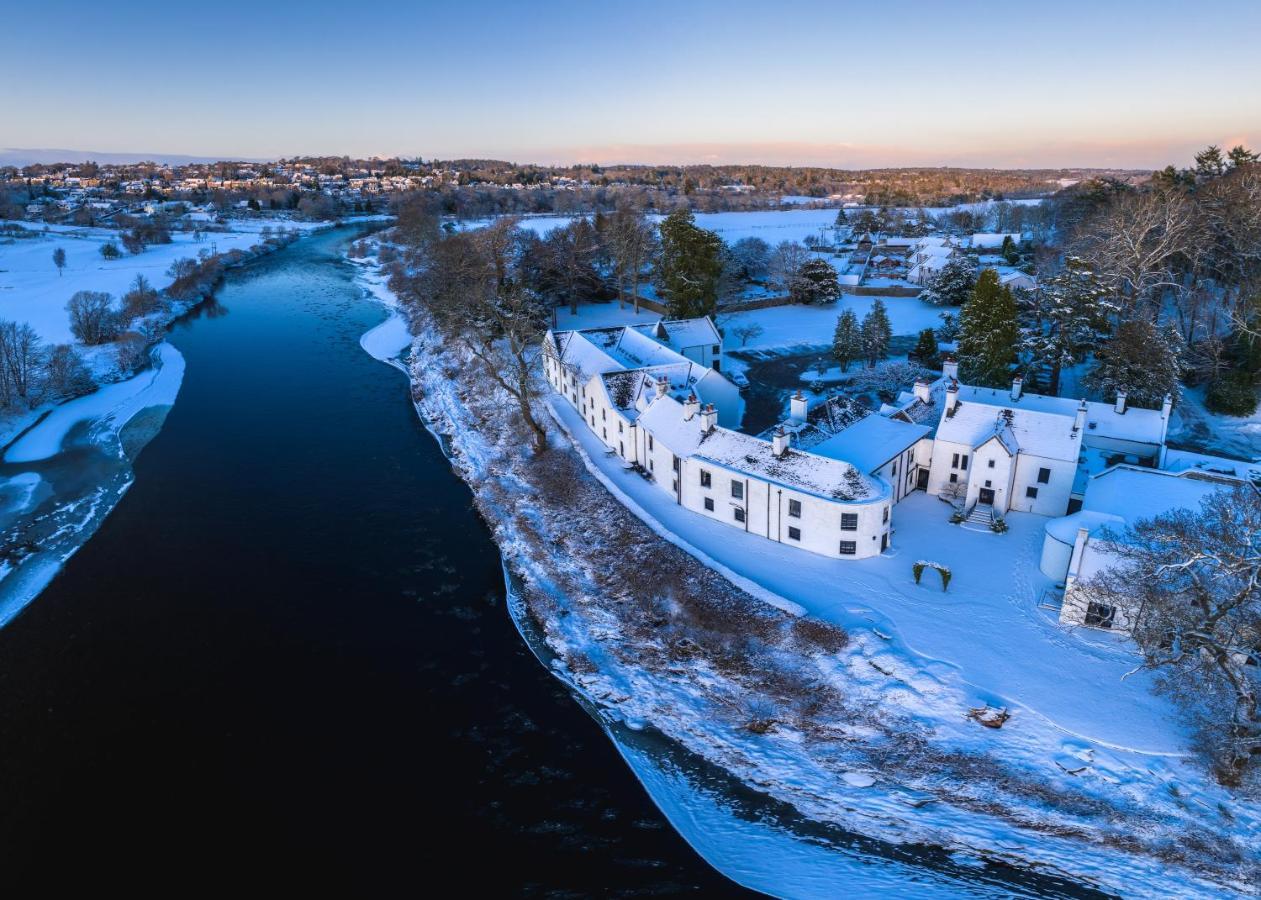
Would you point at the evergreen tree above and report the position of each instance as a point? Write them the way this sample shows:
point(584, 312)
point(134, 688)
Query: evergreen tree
point(926, 349)
point(847, 340)
point(877, 332)
point(1142, 359)
point(1241, 156)
point(1209, 162)
point(59, 259)
point(1072, 316)
point(988, 333)
point(1011, 255)
point(952, 286)
point(841, 218)
point(691, 263)
point(815, 283)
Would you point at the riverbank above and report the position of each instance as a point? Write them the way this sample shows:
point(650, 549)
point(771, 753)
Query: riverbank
point(807, 716)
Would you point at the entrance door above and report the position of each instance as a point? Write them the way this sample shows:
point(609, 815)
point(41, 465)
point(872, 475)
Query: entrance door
point(921, 479)
point(986, 497)
point(884, 542)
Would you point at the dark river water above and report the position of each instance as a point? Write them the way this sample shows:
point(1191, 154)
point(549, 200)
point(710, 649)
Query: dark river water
point(284, 658)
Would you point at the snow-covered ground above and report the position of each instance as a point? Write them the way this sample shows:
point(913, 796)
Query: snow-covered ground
point(32, 291)
point(771, 225)
point(783, 327)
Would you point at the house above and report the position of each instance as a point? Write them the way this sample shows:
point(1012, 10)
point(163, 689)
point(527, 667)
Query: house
point(885, 448)
point(1011, 450)
point(1077, 547)
point(666, 415)
point(1017, 281)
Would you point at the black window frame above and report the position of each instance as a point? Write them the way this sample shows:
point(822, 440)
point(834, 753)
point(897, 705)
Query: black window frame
point(794, 509)
point(794, 536)
point(848, 548)
point(849, 521)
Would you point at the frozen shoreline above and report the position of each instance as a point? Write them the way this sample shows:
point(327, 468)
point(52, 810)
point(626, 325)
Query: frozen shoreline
point(877, 806)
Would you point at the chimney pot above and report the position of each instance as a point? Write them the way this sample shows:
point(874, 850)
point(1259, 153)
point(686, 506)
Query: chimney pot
point(1119, 408)
point(797, 408)
point(950, 368)
point(1017, 385)
point(691, 407)
point(780, 441)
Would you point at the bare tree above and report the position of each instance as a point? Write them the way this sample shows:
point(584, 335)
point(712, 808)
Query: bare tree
point(92, 316)
point(632, 240)
point(59, 259)
point(20, 355)
point(786, 261)
point(1194, 577)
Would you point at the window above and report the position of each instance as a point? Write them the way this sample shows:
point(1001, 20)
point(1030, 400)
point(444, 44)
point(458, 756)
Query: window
point(849, 548)
point(894, 471)
point(1100, 615)
point(954, 478)
point(963, 462)
point(650, 442)
point(794, 508)
point(1031, 493)
point(604, 415)
point(619, 427)
point(886, 515)
point(718, 348)
point(650, 465)
point(717, 365)
point(737, 490)
point(674, 462)
point(621, 448)
point(739, 513)
point(709, 504)
point(794, 534)
point(991, 464)
point(849, 521)
point(606, 433)
point(593, 421)
point(954, 461)
point(1044, 476)
point(706, 480)
point(988, 483)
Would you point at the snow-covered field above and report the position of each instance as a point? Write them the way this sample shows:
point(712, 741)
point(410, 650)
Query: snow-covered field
point(771, 225)
point(32, 291)
point(783, 327)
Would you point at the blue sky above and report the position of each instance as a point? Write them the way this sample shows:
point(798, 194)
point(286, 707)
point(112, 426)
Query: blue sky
point(836, 83)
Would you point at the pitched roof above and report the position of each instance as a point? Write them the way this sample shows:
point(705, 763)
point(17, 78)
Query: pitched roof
point(1045, 434)
point(871, 442)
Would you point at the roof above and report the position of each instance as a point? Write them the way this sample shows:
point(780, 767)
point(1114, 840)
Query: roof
point(1132, 493)
point(994, 239)
point(871, 442)
point(1144, 426)
point(1049, 435)
point(797, 470)
point(680, 334)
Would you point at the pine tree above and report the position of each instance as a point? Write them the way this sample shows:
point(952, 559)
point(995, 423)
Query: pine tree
point(1209, 162)
point(847, 340)
point(1142, 359)
point(1241, 156)
point(877, 332)
point(1011, 255)
point(841, 218)
point(815, 283)
point(952, 286)
point(988, 333)
point(1071, 319)
point(926, 349)
point(691, 262)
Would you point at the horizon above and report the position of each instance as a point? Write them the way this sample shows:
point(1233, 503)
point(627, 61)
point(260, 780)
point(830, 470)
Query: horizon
point(717, 84)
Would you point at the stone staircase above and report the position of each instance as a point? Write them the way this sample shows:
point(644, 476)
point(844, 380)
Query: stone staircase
point(979, 518)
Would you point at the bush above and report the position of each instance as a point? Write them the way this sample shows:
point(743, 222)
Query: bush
point(998, 525)
point(1233, 394)
point(92, 317)
point(109, 250)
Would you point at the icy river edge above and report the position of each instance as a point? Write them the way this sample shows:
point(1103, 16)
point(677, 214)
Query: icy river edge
point(881, 839)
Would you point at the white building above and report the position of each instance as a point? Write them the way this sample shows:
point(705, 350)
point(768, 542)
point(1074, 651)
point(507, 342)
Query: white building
point(1010, 450)
point(666, 414)
point(1077, 547)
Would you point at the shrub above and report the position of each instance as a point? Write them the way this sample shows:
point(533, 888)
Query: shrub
point(998, 525)
point(109, 250)
point(917, 569)
point(1233, 394)
point(92, 317)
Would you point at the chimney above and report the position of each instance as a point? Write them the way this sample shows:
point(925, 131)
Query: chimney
point(780, 441)
point(709, 418)
point(950, 368)
point(1080, 422)
point(797, 407)
point(1166, 407)
point(1119, 408)
point(952, 397)
point(663, 385)
point(923, 392)
point(691, 407)
point(1017, 384)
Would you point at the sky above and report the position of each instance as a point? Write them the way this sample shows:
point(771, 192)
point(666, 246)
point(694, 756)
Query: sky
point(1109, 83)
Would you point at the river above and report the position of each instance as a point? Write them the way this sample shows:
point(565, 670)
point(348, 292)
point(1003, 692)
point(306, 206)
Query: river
point(286, 649)
point(286, 657)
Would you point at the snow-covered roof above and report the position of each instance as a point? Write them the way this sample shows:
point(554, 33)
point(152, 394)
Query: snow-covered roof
point(1145, 426)
point(1044, 434)
point(797, 470)
point(871, 442)
point(1064, 528)
point(984, 239)
point(1133, 493)
point(1188, 461)
point(680, 334)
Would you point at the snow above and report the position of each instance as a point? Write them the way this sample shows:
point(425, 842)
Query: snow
point(31, 290)
point(114, 404)
point(1132, 494)
point(1047, 435)
point(786, 327)
point(985, 638)
point(871, 441)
